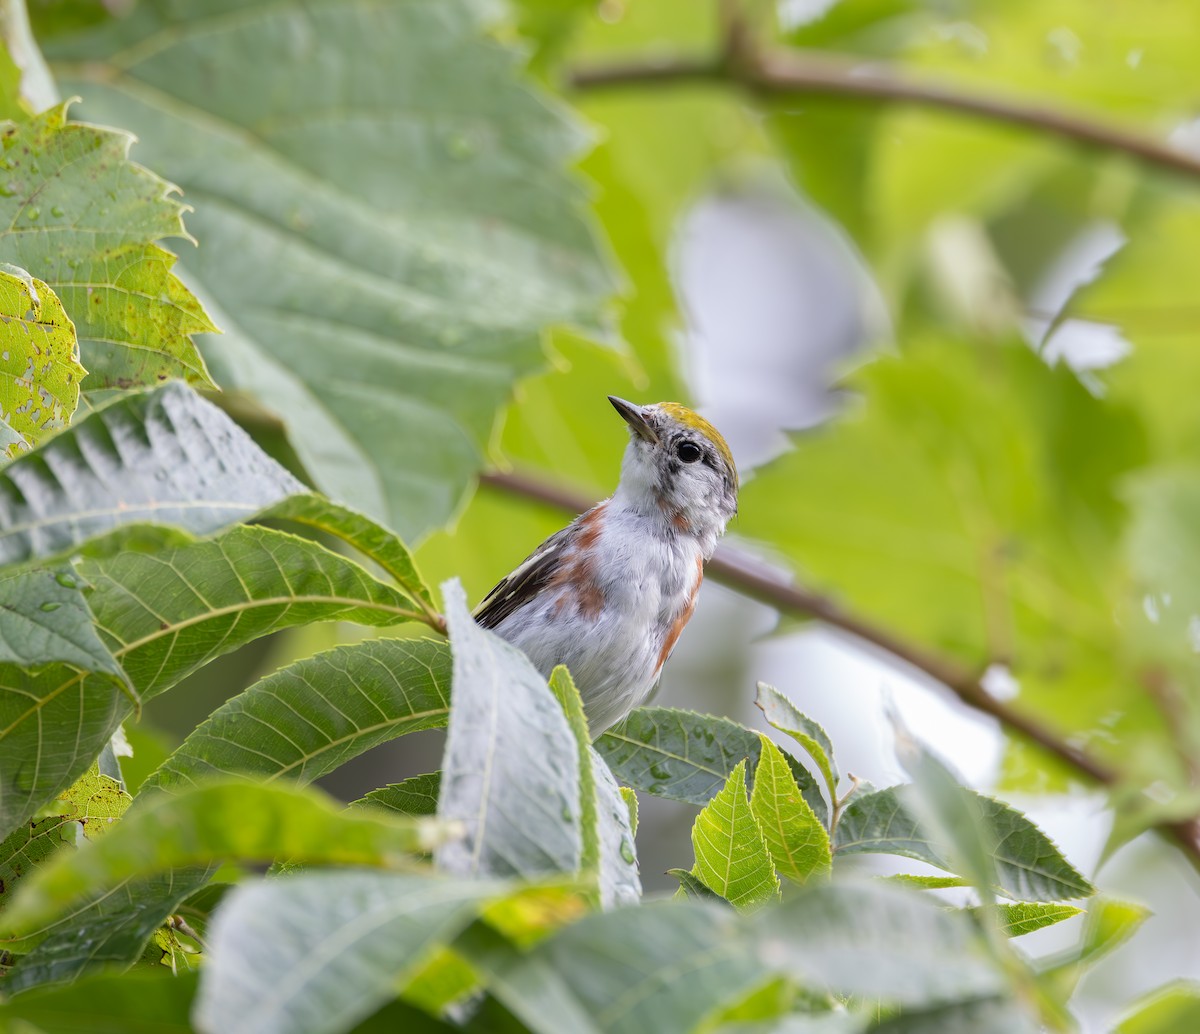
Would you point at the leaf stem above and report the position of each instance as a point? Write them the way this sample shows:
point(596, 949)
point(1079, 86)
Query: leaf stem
point(747, 576)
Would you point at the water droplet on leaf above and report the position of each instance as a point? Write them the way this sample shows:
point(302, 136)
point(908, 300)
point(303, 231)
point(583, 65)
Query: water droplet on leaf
point(627, 851)
point(66, 580)
point(50, 605)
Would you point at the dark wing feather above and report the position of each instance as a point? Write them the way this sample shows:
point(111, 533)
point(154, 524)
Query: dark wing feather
point(525, 582)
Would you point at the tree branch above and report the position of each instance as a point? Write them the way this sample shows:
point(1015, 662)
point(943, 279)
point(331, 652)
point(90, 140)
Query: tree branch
point(750, 578)
point(778, 71)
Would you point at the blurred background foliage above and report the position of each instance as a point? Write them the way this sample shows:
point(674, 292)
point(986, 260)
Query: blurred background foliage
point(928, 263)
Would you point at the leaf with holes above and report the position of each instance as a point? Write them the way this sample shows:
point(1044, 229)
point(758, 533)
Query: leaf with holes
point(85, 219)
point(510, 773)
point(126, 464)
point(410, 205)
point(305, 720)
point(39, 358)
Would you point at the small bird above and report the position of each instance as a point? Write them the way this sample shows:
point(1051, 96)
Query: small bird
point(609, 595)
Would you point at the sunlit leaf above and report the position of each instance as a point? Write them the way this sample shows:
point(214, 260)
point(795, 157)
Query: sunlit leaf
point(781, 713)
point(732, 857)
point(39, 358)
point(797, 842)
point(85, 219)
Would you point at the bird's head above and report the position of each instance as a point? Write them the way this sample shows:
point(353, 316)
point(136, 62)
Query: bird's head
point(677, 464)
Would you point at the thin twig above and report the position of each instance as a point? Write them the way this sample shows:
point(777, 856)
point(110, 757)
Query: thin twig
point(778, 71)
point(745, 575)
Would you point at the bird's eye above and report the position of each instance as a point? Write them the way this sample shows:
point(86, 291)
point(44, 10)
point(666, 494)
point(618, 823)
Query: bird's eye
point(688, 452)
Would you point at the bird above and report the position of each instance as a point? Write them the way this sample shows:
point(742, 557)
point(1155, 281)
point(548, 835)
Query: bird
point(609, 594)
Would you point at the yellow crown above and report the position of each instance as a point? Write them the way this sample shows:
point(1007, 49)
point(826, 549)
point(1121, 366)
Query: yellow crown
point(690, 418)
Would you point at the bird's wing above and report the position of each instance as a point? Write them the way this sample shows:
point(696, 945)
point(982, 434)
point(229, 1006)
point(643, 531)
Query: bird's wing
point(526, 581)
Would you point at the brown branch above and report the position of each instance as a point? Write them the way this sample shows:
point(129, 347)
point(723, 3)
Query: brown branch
point(750, 578)
point(777, 71)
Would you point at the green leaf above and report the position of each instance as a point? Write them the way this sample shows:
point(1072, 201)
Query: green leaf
point(1028, 865)
point(990, 525)
point(39, 357)
point(676, 754)
point(369, 538)
point(318, 952)
point(305, 720)
point(1022, 917)
point(608, 840)
point(662, 967)
point(419, 215)
point(732, 857)
point(906, 879)
point(231, 820)
point(1108, 925)
point(45, 620)
point(417, 795)
point(993, 1015)
point(108, 1003)
point(783, 715)
point(878, 941)
point(163, 614)
point(797, 842)
point(691, 887)
point(121, 465)
point(1168, 1010)
point(520, 806)
point(107, 929)
point(83, 218)
point(169, 612)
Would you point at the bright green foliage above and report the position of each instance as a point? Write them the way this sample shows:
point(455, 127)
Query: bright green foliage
point(232, 820)
point(330, 948)
point(520, 807)
point(39, 358)
point(383, 243)
point(733, 858)
point(995, 488)
point(1022, 917)
point(1173, 1008)
point(781, 713)
point(107, 1004)
point(121, 465)
point(82, 217)
point(305, 720)
point(796, 840)
point(414, 796)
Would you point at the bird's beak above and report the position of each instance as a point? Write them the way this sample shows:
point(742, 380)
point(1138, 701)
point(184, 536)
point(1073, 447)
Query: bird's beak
point(635, 418)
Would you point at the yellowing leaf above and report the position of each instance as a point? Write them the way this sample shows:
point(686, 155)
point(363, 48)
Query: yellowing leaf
point(39, 358)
